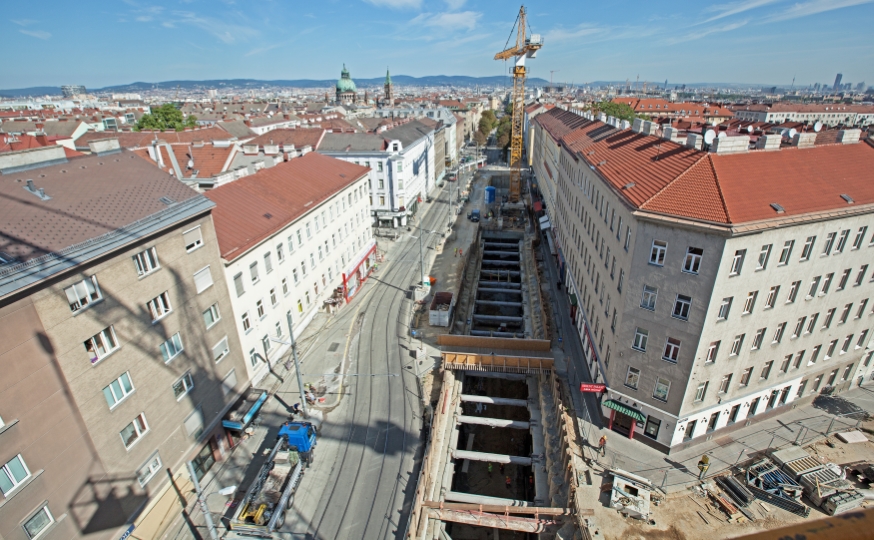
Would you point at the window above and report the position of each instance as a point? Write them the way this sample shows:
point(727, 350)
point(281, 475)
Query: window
point(778, 335)
point(672, 350)
point(291, 242)
point(842, 241)
point(202, 280)
point(737, 344)
point(101, 345)
point(238, 284)
point(861, 275)
point(220, 350)
point(640, 338)
point(192, 238)
point(253, 272)
point(701, 391)
point(807, 250)
point(682, 306)
point(771, 300)
point(724, 384)
point(273, 300)
point(171, 347)
point(159, 306)
point(847, 373)
point(13, 474)
point(146, 262)
point(831, 377)
point(811, 324)
point(194, 423)
point(786, 253)
point(828, 318)
point(632, 378)
point(661, 389)
point(784, 367)
point(861, 342)
point(692, 262)
point(724, 308)
point(814, 285)
point(861, 308)
point(149, 470)
point(766, 369)
point(829, 242)
point(799, 356)
point(280, 255)
point(211, 316)
point(621, 279)
point(745, 376)
point(860, 237)
point(816, 382)
point(750, 302)
point(134, 431)
point(259, 306)
point(799, 327)
point(309, 233)
point(652, 427)
point(627, 237)
point(229, 382)
point(793, 291)
point(712, 351)
point(764, 255)
point(268, 263)
point(760, 336)
point(844, 277)
point(826, 283)
point(38, 523)
point(846, 313)
point(657, 254)
point(118, 390)
point(82, 294)
point(648, 300)
point(737, 262)
point(183, 385)
point(847, 342)
point(831, 349)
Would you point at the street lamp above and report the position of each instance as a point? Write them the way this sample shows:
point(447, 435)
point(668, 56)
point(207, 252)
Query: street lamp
point(425, 281)
point(201, 500)
point(293, 344)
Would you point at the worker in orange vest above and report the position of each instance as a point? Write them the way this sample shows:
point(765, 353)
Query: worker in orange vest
point(602, 445)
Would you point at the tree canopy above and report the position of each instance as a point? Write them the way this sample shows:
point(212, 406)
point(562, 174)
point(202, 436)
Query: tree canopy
point(165, 117)
point(622, 111)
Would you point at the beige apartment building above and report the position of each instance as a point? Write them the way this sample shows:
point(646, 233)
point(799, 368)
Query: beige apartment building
point(118, 353)
point(710, 289)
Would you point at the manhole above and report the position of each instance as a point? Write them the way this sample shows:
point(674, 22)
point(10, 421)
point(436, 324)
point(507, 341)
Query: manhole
point(333, 347)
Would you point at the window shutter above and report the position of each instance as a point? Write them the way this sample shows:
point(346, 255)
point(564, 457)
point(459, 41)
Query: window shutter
point(229, 382)
point(72, 298)
point(202, 280)
point(194, 423)
point(192, 238)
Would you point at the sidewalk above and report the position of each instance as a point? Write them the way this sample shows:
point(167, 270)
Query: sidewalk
point(802, 424)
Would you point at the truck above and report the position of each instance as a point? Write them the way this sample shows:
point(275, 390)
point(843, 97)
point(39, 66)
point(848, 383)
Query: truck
point(262, 509)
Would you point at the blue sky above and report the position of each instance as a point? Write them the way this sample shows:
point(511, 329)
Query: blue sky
point(99, 43)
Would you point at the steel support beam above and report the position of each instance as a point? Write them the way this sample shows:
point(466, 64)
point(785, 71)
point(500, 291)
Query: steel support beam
point(493, 400)
point(493, 521)
point(494, 458)
point(456, 496)
point(493, 422)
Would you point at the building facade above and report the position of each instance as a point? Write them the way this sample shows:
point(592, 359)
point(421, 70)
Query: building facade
point(833, 114)
point(295, 239)
point(122, 302)
point(704, 294)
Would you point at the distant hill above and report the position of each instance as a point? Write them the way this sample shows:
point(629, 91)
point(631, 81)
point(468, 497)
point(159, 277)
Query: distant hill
point(400, 80)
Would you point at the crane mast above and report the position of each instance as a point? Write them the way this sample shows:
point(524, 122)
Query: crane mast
point(524, 48)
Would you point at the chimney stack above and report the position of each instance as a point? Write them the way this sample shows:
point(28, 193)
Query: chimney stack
point(637, 126)
point(694, 140)
point(731, 145)
point(849, 136)
point(804, 140)
point(768, 142)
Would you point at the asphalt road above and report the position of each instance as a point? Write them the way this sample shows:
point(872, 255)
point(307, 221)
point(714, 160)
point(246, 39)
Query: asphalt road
point(364, 475)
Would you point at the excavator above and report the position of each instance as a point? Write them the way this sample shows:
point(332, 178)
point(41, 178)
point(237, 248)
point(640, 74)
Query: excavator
point(526, 47)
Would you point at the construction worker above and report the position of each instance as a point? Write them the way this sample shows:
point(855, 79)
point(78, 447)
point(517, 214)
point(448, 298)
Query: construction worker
point(509, 482)
point(456, 252)
point(602, 445)
point(460, 252)
point(490, 469)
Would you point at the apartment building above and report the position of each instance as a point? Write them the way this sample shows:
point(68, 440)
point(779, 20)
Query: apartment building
point(402, 167)
point(119, 357)
point(294, 239)
point(830, 114)
point(710, 288)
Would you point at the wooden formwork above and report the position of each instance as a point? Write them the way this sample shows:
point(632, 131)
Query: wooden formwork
point(502, 364)
point(510, 344)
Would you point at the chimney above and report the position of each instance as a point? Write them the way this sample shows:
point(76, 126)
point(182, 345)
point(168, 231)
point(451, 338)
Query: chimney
point(625, 124)
point(669, 133)
point(849, 136)
point(649, 128)
point(804, 140)
point(731, 145)
point(694, 140)
point(637, 126)
point(602, 117)
point(42, 139)
point(769, 142)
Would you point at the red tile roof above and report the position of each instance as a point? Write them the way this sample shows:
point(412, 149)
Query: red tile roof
point(134, 139)
point(672, 179)
point(252, 208)
point(299, 137)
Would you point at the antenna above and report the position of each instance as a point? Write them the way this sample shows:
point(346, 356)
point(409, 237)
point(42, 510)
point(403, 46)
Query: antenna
point(817, 127)
point(709, 136)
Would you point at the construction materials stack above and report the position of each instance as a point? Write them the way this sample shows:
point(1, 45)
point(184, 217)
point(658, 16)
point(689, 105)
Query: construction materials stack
point(770, 484)
point(823, 483)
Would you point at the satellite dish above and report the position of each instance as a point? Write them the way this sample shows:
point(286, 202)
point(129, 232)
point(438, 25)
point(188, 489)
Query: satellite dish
point(709, 136)
point(817, 127)
point(792, 133)
point(722, 135)
point(750, 128)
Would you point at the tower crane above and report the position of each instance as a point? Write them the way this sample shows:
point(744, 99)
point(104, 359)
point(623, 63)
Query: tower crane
point(524, 48)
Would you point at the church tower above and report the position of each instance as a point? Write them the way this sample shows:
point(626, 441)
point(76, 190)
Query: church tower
point(389, 97)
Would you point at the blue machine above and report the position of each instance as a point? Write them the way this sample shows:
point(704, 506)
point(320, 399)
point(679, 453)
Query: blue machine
point(490, 194)
point(300, 435)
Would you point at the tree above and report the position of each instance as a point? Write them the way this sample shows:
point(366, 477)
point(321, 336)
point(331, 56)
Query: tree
point(485, 126)
point(489, 115)
point(479, 138)
point(165, 117)
point(622, 111)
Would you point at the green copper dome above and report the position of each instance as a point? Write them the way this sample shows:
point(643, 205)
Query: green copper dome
point(345, 84)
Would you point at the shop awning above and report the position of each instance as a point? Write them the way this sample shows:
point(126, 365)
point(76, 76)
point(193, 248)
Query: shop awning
point(624, 409)
point(538, 206)
point(573, 299)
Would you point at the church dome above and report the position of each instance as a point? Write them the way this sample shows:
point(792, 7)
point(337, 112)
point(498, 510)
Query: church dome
point(345, 84)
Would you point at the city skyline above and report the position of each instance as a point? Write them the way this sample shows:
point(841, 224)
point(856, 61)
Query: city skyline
point(680, 42)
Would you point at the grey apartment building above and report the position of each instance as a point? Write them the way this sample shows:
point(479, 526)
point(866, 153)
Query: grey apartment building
point(710, 288)
point(118, 355)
